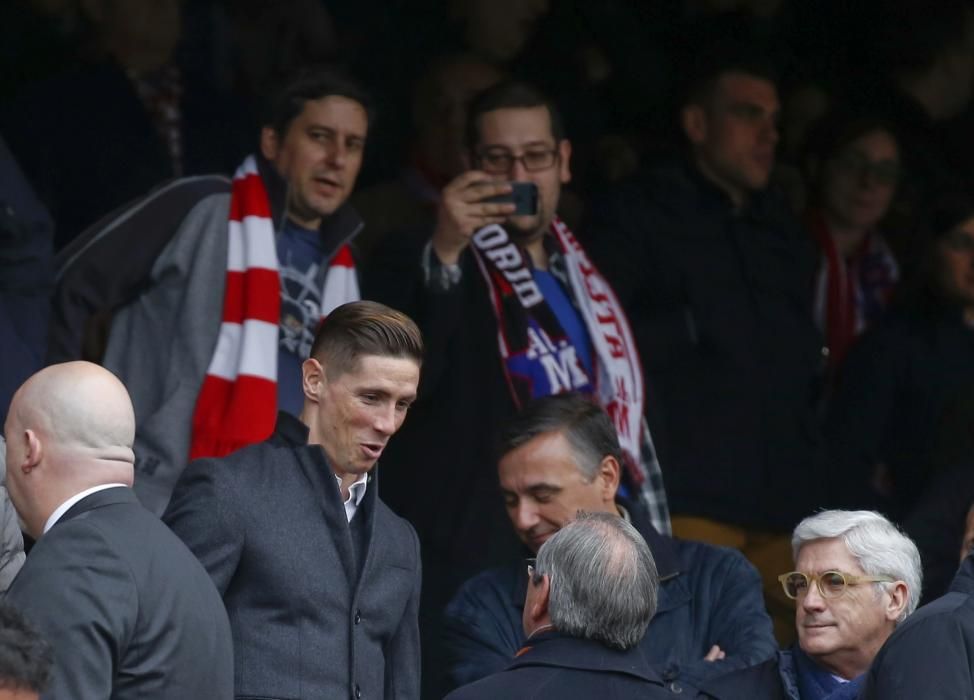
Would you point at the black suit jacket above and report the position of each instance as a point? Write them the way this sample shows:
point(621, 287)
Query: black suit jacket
point(128, 609)
point(552, 665)
point(269, 525)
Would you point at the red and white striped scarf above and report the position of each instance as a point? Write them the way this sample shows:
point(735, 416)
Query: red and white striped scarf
point(237, 404)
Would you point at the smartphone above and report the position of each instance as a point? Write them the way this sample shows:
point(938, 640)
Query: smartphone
point(524, 196)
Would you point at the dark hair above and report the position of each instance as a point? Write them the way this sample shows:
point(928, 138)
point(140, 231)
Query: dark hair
point(833, 132)
point(365, 328)
point(308, 85)
point(25, 658)
point(722, 56)
point(510, 94)
point(838, 128)
point(579, 418)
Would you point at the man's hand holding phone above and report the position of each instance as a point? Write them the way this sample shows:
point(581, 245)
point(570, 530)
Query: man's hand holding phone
point(464, 208)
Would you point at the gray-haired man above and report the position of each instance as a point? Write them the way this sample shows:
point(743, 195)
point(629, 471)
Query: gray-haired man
point(856, 578)
point(592, 592)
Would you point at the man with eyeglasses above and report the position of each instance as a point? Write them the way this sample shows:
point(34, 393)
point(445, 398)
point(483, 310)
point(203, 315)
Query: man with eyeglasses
point(590, 595)
point(512, 309)
point(856, 578)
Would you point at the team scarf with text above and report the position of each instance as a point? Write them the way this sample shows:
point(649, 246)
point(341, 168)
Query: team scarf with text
point(537, 355)
point(237, 404)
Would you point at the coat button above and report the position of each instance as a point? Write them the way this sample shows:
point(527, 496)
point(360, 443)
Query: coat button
point(358, 692)
point(676, 688)
point(358, 616)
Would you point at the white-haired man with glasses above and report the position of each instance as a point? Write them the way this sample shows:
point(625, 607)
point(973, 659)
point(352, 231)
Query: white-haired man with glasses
point(856, 578)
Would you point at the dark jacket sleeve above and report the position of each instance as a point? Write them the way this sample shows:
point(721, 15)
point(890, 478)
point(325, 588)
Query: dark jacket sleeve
point(83, 600)
point(402, 653)
point(738, 621)
point(205, 516)
point(930, 660)
point(481, 630)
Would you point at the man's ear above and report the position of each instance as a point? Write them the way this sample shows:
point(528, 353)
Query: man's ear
point(565, 156)
point(609, 473)
point(898, 598)
point(693, 119)
point(269, 143)
point(33, 451)
point(539, 601)
point(312, 379)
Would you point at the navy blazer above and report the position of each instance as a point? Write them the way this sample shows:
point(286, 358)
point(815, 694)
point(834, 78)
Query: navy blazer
point(931, 654)
point(556, 666)
point(708, 595)
point(129, 611)
point(269, 525)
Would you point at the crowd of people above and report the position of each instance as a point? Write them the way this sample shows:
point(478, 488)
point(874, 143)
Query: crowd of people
point(691, 329)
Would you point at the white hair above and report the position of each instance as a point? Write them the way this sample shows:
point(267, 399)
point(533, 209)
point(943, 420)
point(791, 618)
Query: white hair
point(876, 543)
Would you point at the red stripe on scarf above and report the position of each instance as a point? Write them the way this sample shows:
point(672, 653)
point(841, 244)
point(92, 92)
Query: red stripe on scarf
point(248, 296)
point(249, 199)
point(343, 258)
point(251, 410)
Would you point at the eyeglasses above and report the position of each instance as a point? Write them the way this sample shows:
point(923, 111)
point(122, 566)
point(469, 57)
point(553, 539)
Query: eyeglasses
point(831, 584)
point(883, 172)
point(499, 161)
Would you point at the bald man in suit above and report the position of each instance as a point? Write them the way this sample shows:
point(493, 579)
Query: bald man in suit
point(129, 610)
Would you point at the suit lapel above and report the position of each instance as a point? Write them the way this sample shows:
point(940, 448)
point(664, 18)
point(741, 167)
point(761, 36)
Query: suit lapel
point(367, 508)
point(318, 472)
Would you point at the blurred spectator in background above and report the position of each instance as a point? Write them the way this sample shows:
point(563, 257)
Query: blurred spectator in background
point(942, 525)
point(26, 278)
point(25, 658)
point(269, 40)
point(901, 375)
point(136, 118)
point(853, 165)
point(436, 153)
point(925, 59)
point(716, 274)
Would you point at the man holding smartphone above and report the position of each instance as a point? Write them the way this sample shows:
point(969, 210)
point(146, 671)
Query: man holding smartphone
point(512, 310)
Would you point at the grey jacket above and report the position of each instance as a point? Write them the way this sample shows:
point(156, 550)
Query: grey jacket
point(312, 614)
point(11, 538)
point(161, 342)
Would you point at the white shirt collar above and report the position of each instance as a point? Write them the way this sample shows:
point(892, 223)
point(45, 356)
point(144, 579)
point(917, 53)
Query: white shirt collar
point(356, 492)
point(64, 507)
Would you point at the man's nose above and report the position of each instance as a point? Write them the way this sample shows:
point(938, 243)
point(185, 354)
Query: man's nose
point(813, 599)
point(524, 515)
point(384, 420)
point(518, 173)
point(337, 154)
